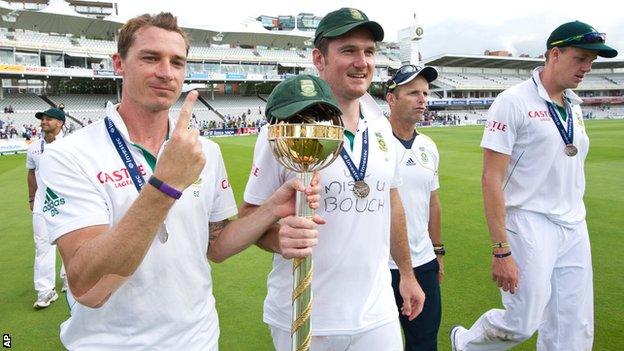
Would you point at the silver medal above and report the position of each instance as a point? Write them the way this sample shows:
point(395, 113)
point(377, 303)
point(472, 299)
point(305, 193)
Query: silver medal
point(361, 189)
point(163, 233)
point(570, 150)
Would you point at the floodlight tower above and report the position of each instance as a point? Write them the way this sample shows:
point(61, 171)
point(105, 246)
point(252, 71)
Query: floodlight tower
point(408, 43)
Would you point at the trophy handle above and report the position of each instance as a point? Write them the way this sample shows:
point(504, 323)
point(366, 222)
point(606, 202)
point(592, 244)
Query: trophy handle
point(302, 281)
point(303, 209)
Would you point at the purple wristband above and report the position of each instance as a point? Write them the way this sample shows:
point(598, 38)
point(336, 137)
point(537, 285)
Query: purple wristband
point(165, 188)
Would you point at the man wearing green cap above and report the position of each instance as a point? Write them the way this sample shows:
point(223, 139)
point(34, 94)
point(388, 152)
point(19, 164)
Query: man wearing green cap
point(534, 148)
point(353, 302)
point(52, 121)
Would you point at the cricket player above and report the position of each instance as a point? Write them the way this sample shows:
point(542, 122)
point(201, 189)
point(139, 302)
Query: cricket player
point(353, 303)
point(534, 149)
point(419, 160)
point(142, 203)
point(52, 121)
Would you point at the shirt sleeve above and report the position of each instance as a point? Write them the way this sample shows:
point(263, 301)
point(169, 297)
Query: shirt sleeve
point(30, 162)
point(435, 182)
point(266, 175)
point(71, 200)
point(503, 123)
point(224, 205)
point(396, 181)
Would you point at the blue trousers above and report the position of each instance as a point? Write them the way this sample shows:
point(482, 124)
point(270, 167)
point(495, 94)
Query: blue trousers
point(421, 334)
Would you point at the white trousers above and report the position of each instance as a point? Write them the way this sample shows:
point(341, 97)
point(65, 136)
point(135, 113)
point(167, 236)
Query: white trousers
point(555, 291)
point(383, 338)
point(45, 257)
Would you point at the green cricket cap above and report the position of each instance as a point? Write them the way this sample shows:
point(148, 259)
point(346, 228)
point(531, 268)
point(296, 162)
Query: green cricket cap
point(340, 22)
point(298, 93)
point(580, 35)
point(55, 113)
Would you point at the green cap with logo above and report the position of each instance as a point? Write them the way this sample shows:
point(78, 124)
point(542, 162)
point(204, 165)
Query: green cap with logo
point(580, 35)
point(55, 113)
point(298, 93)
point(339, 22)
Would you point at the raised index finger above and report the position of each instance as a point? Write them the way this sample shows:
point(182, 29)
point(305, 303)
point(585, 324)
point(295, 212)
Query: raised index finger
point(186, 111)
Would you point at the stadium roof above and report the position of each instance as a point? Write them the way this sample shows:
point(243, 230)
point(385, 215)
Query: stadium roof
point(59, 17)
point(481, 61)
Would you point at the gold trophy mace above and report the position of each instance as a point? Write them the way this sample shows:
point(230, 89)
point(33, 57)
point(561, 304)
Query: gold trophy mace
point(304, 148)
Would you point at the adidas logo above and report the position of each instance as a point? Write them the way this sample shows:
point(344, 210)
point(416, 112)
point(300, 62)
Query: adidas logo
point(410, 162)
point(52, 201)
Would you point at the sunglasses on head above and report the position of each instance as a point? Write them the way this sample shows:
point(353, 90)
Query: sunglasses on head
point(402, 75)
point(587, 38)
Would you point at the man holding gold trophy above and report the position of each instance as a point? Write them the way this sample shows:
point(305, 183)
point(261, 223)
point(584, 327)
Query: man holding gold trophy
point(353, 305)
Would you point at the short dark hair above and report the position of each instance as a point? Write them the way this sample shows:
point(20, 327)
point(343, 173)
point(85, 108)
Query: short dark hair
point(323, 44)
point(163, 20)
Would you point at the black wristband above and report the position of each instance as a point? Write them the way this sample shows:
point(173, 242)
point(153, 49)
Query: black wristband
point(439, 250)
point(503, 255)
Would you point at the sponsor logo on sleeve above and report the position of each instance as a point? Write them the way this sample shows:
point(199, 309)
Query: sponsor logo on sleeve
point(495, 126)
point(225, 183)
point(255, 171)
point(52, 202)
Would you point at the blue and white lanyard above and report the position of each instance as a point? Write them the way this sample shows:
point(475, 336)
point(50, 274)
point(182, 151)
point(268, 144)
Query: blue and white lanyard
point(357, 174)
point(566, 135)
point(124, 153)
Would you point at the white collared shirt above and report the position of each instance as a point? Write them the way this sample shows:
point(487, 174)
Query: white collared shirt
point(33, 154)
point(419, 173)
point(540, 177)
point(352, 285)
point(167, 303)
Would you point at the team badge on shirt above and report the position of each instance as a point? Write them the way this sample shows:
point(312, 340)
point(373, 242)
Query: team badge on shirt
point(381, 142)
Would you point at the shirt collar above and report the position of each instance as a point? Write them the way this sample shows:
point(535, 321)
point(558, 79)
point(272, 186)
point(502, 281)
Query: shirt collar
point(369, 108)
point(113, 114)
point(541, 91)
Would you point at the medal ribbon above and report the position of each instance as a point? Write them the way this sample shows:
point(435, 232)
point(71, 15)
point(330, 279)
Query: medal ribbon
point(567, 136)
point(357, 174)
point(124, 153)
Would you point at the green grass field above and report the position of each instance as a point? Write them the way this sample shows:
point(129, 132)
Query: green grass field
point(240, 282)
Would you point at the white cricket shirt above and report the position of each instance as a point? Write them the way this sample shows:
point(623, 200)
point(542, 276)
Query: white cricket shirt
point(351, 284)
point(540, 177)
point(33, 154)
point(167, 303)
point(419, 174)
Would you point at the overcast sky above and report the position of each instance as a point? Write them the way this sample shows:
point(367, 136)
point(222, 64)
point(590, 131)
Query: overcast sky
point(459, 27)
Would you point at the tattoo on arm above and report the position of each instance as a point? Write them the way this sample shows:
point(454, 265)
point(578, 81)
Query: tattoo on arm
point(214, 229)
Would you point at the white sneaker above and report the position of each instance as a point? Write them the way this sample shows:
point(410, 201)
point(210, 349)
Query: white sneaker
point(456, 329)
point(44, 300)
point(65, 286)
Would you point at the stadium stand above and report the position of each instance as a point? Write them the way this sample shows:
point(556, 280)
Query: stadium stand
point(466, 86)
